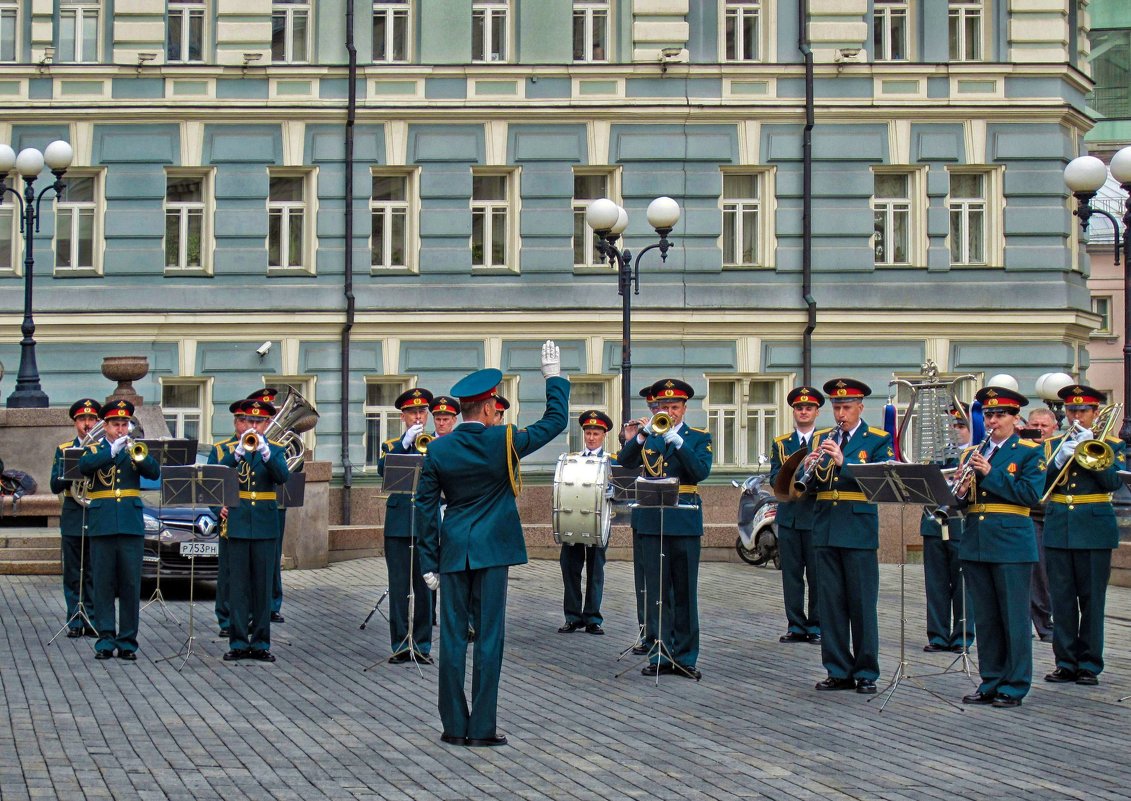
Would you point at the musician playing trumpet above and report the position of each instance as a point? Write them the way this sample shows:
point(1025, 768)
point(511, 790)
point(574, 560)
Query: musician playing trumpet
point(1080, 533)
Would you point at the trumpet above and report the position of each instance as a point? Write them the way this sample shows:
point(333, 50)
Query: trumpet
point(661, 423)
point(421, 442)
point(137, 450)
point(250, 441)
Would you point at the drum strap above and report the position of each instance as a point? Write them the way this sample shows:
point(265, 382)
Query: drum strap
point(514, 465)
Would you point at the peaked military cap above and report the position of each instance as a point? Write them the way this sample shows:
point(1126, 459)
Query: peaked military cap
point(646, 394)
point(479, 385)
point(595, 419)
point(667, 389)
point(1079, 395)
point(1001, 398)
point(960, 416)
point(501, 403)
point(846, 389)
point(84, 406)
point(251, 407)
point(117, 409)
point(267, 394)
point(442, 404)
point(414, 398)
point(805, 395)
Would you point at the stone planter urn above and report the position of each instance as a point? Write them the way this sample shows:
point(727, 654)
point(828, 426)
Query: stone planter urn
point(125, 370)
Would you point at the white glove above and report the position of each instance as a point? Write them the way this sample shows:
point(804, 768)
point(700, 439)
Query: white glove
point(432, 580)
point(117, 445)
point(410, 436)
point(648, 430)
point(1065, 452)
point(672, 438)
point(1084, 435)
point(264, 449)
point(241, 452)
point(551, 359)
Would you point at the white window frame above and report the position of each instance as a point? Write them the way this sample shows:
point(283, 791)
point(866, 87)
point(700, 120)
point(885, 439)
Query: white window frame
point(574, 439)
point(10, 224)
point(765, 208)
point(916, 211)
point(309, 205)
point(190, 12)
point(884, 12)
point(411, 208)
point(739, 9)
point(288, 10)
point(10, 18)
point(388, 417)
point(97, 209)
point(586, 12)
point(393, 11)
point(1104, 330)
point(180, 413)
point(206, 207)
point(745, 414)
point(509, 207)
point(508, 388)
point(79, 10)
point(963, 11)
point(592, 261)
point(993, 205)
point(494, 12)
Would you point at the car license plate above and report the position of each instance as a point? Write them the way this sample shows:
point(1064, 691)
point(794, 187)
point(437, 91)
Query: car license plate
point(200, 549)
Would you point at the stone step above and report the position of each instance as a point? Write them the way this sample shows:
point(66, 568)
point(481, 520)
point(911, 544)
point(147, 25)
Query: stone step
point(31, 567)
point(26, 539)
point(34, 554)
point(355, 537)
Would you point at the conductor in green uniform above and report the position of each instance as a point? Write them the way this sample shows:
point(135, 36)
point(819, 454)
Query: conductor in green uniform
point(117, 531)
point(671, 537)
point(1080, 533)
point(999, 547)
point(476, 468)
point(253, 529)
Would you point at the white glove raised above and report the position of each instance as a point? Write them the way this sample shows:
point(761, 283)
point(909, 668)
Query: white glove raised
point(264, 448)
point(1084, 435)
point(673, 438)
point(117, 445)
point(1064, 452)
point(241, 452)
point(648, 430)
point(410, 436)
point(551, 359)
point(432, 580)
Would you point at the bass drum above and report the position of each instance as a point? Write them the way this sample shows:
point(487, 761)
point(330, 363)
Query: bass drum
point(582, 510)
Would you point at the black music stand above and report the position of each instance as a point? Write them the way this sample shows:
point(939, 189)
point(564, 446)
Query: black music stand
point(197, 485)
point(904, 485)
point(292, 495)
point(402, 472)
point(71, 472)
point(168, 453)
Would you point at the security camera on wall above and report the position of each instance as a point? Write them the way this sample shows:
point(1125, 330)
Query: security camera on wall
point(264, 349)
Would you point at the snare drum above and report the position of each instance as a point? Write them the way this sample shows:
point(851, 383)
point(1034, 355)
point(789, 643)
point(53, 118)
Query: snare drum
point(582, 511)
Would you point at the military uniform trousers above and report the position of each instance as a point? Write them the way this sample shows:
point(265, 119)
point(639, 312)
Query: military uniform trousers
point(116, 564)
point(478, 596)
point(1040, 600)
point(573, 559)
point(674, 615)
point(798, 569)
point(249, 592)
point(638, 577)
point(1078, 579)
point(398, 554)
point(223, 612)
point(1000, 592)
point(277, 580)
point(950, 612)
point(849, 579)
point(77, 569)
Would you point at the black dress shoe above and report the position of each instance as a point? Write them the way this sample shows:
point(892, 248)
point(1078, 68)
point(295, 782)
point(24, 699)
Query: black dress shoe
point(452, 739)
point(977, 698)
point(654, 669)
point(836, 684)
point(569, 627)
point(594, 628)
point(813, 638)
point(104, 654)
point(129, 656)
point(1061, 676)
point(641, 648)
point(932, 648)
point(958, 649)
point(1005, 702)
point(225, 633)
point(1087, 678)
point(687, 672)
point(399, 658)
point(865, 686)
point(260, 655)
point(424, 659)
point(277, 618)
point(74, 633)
point(793, 636)
point(486, 742)
point(235, 655)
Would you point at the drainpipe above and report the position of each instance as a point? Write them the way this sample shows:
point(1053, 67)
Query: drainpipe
point(351, 114)
point(807, 197)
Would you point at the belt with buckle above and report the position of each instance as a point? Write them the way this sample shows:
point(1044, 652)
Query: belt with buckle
point(999, 508)
point(1098, 497)
point(126, 493)
point(258, 496)
point(837, 495)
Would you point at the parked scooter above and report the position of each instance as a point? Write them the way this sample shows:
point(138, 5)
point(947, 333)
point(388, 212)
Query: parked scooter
point(757, 542)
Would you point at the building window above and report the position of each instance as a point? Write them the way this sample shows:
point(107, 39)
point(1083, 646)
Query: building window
point(588, 185)
point(392, 237)
point(740, 26)
point(965, 30)
point(382, 420)
point(289, 238)
point(78, 31)
point(591, 30)
point(1101, 307)
point(184, 39)
point(489, 30)
point(78, 224)
point(290, 31)
point(390, 31)
point(183, 404)
point(588, 393)
point(491, 226)
point(891, 207)
point(742, 416)
point(9, 236)
point(889, 30)
point(1111, 70)
point(188, 222)
point(968, 224)
point(9, 13)
point(741, 211)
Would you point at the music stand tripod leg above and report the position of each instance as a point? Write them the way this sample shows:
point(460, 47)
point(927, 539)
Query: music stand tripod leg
point(187, 648)
point(157, 596)
point(365, 622)
point(408, 643)
point(80, 607)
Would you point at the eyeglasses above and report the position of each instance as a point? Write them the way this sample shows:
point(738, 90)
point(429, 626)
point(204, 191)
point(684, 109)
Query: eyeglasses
point(994, 413)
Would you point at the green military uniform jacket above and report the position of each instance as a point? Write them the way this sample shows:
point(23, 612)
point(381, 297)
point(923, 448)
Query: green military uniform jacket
point(70, 520)
point(398, 507)
point(798, 513)
point(690, 463)
point(998, 528)
point(843, 517)
point(1079, 514)
point(115, 505)
point(257, 516)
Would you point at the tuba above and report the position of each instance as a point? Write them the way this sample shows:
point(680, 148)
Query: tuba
point(294, 416)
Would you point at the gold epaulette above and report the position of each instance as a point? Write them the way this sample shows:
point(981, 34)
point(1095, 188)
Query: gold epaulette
point(275, 443)
point(1028, 443)
point(1113, 440)
point(68, 444)
point(877, 431)
point(700, 430)
point(783, 437)
point(820, 432)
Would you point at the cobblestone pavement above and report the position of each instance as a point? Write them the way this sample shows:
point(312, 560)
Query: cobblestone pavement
point(317, 725)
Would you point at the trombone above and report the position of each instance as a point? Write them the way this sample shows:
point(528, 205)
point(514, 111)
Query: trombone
point(1091, 454)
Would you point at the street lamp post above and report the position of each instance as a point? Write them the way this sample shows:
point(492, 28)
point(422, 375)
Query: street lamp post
point(29, 164)
point(1084, 176)
point(608, 221)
